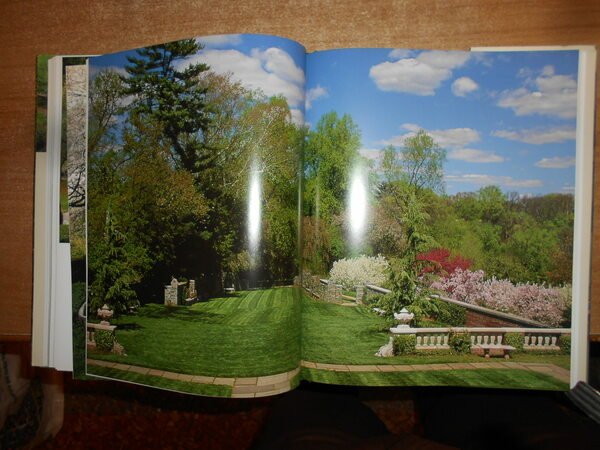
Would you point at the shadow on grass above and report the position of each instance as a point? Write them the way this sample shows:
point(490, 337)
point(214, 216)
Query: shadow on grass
point(129, 326)
point(175, 312)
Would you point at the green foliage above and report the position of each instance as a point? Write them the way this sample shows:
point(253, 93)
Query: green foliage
point(451, 315)
point(459, 342)
point(517, 340)
point(404, 344)
point(407, 292)
point(565, 344)
point(41, 91)
point(330, 152)
point(107, 93)
point(423, 162)
point(524, 239)
point(104, 340)
point(64, 232)
point(170, 96)
point(116, 263)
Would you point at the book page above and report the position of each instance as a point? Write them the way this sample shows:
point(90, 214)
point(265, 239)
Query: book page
point(192, 215)
point(438, 218)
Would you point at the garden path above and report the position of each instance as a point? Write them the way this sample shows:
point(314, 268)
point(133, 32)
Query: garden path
point(241, 387)
point(251, 387)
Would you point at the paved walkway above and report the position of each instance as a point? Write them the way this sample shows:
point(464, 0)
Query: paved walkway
point(241, 387)
point(251, 387)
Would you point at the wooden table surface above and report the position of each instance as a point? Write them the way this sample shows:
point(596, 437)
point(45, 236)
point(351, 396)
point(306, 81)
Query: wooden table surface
point(28, 28)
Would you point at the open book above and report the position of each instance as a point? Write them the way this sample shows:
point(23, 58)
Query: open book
point(243, 215)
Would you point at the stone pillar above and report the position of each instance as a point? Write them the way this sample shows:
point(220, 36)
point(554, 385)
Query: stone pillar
point(360, 293)
point(330, 291)
point(338, 293)
point(171, 293)
point(192, 289)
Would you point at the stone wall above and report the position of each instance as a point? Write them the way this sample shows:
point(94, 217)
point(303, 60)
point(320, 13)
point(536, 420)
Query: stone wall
point(480, 319)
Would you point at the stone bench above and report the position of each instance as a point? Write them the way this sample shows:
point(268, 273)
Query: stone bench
point(487, 350)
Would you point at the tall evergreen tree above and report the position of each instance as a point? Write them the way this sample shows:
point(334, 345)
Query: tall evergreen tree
point(166, 90)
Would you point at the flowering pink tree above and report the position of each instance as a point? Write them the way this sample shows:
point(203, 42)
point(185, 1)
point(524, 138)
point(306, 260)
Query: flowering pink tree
point(544, 304)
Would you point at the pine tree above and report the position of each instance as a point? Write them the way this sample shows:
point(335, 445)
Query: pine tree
point(166, 90)
point(117, 265)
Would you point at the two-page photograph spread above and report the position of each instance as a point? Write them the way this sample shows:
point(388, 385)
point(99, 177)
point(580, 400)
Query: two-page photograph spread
point(250, 215)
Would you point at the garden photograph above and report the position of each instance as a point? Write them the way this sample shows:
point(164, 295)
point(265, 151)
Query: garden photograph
point(437, 217)
point(194, 154)
point(258, 216)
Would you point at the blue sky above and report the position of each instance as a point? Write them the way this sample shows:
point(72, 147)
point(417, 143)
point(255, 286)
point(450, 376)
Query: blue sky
point(504, 118)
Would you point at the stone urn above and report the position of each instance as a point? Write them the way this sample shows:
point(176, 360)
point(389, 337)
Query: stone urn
point(104, 313)
point(403, 317)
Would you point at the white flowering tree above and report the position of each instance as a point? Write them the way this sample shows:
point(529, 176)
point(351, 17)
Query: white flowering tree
point(351, 272)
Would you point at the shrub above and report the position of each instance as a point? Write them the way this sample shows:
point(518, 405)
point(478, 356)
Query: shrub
point(372, 299)
point(451, 315)
point(565, 344)
point(404, 344)
point(354, 271)
point(104, 340)
point(515, 339)
point(459, 342)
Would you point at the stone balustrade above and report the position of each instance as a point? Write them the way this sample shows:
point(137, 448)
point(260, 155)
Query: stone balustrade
point(541, 340)
point(533, 338)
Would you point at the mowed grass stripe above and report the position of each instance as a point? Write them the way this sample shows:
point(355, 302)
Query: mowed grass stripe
point(243, 335)
point(488, 378)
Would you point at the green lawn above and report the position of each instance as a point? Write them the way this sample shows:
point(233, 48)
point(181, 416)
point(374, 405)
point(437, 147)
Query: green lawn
point(343, 335)
point(258, 333)
point(174, 385)
point(248, 334)
point(485, 378)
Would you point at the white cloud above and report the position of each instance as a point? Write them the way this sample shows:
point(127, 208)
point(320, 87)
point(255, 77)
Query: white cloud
point(475, 156)
point(539, 135)
point(313, 94)
point(272, 71)
point(280, 63)
point(463, 86)
point(399, 53)
point(448, 138)
point(220, 40)
point(497, 180)
point(297, 116)
point(568, 189)
point(549, 95)
point(548, 71)
point(555, 163)
point(373, 154)
point(421, 75)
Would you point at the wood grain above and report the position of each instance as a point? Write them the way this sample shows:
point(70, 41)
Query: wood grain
point(29, 28)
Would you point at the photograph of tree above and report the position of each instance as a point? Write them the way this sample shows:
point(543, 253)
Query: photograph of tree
point(258, 216)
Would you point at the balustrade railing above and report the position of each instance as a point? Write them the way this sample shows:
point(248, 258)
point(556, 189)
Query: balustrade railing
point(533, 338)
